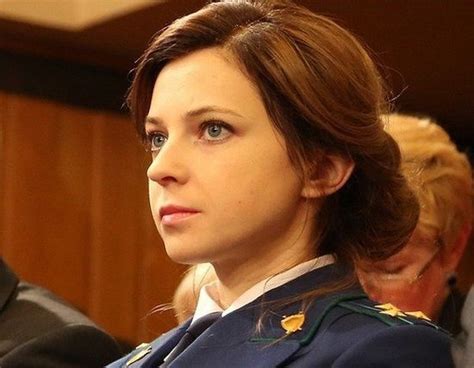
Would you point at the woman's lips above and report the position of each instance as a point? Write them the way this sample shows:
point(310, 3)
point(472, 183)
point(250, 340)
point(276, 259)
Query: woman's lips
point(172, 215)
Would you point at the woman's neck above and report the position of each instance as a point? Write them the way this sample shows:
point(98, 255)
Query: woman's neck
point(262, 258)
point(233, 279)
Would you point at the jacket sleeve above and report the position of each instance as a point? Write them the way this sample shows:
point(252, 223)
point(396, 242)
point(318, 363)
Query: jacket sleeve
point(400, 346)
point(73, 346)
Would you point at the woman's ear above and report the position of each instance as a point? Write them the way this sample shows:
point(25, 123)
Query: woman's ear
point(327, 176)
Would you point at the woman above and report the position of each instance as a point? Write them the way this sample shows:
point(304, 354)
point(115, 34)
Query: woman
point(422, 275)
point(270, 162)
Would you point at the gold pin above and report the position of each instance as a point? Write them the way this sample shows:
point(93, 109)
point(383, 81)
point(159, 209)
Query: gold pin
point(386, 306)
point(145, 351)
point(418, 314)
point(391, 310)
point(292, 323)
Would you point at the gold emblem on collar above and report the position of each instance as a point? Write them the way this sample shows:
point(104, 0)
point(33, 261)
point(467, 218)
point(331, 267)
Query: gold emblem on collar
point(292, 323)
point(146, 349)
point(418, 314)
point(390, 310)
point(393, 311)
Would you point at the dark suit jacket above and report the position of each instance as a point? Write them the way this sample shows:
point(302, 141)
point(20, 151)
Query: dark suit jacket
point(450, 316)
point(343, 329)
point(463, 347)
point(38, 330)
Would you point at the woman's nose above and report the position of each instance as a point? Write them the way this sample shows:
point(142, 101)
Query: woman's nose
point(168, 165)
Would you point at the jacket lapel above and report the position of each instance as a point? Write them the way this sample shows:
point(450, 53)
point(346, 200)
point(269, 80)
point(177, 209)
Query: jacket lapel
point(161, 347)
point(235, 342)
point(228, 343)
point(151, 355)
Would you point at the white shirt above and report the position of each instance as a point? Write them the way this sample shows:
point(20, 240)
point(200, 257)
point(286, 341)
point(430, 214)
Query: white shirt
point(207, 304)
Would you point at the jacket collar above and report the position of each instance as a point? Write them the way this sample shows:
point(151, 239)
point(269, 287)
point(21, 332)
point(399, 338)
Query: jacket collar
point(234, 341)
point(8, 283)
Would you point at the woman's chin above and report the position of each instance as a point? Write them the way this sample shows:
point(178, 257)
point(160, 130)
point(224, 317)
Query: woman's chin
point(184, 256)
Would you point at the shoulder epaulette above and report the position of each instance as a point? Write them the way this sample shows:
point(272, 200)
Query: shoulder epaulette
point(335, 302)
point(355, 302)
point(389, 314)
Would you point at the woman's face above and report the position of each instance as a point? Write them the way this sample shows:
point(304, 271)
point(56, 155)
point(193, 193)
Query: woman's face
point(222, 187)
point(414, 279)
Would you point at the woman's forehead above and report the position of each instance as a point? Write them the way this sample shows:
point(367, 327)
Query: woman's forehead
point(204, 78)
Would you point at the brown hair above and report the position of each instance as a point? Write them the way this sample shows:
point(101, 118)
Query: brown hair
point(324, 95)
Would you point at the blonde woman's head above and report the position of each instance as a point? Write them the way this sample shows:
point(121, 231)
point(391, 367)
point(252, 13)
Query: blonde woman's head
point(438, 172)
point(416, 277)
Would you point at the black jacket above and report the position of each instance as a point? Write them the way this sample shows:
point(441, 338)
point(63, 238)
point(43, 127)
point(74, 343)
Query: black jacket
point(38, 330)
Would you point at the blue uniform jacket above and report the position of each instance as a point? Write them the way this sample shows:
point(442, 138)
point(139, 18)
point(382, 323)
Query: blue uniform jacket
point(342, 329)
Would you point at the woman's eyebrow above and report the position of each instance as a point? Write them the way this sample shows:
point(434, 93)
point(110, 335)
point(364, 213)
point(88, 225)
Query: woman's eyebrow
point(154, 120)
point(211, 108)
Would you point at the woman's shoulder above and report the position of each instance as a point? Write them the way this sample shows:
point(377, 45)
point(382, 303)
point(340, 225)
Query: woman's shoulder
point(379, 315)
point(358, 332)
point(340, 330)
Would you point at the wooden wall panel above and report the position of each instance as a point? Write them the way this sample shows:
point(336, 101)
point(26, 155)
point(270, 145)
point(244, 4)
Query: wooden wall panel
point(75, 217)
point(46, 195)
point(3, 116)
point(116, 215)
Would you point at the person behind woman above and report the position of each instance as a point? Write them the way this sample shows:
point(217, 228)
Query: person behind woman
point(422, 275)
point(269, 161)
point(39, 329)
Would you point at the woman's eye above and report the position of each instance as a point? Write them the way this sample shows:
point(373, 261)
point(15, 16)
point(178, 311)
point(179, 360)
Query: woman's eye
point(156, 141)
point(215, 131)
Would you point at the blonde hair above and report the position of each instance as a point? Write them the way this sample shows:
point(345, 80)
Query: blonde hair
point(438, 172)
point(186, 295)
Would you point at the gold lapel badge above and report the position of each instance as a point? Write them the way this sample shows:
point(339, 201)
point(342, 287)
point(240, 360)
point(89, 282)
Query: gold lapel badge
point(292, 323)
point(393, 311)
point(390, 310)
point(418, 314)
point(145, 350)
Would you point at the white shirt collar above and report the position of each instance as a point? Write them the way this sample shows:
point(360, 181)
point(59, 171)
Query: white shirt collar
point(207, 303)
